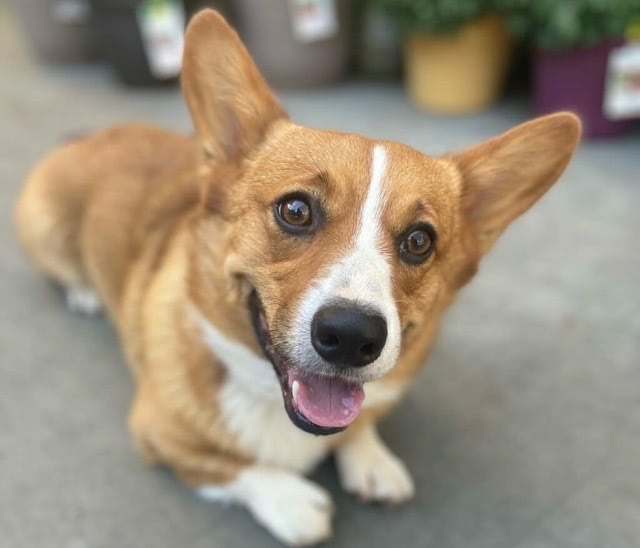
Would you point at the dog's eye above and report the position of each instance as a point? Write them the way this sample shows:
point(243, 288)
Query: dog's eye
point(294, 213)
point(416, 244)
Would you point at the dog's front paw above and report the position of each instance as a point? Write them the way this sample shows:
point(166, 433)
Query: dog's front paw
point(295, 510)
point(369, 470)
point(82, 300)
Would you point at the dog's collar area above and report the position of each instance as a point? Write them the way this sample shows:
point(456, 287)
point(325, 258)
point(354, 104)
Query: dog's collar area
point(261, 329)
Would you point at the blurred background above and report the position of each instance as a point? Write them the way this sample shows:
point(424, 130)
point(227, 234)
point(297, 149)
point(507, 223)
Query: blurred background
point(455, 56)
point(523, 432)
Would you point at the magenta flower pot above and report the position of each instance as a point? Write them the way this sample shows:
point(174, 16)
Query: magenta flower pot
point(574, 79)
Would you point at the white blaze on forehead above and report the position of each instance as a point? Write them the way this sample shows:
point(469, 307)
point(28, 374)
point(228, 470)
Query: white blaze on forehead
point(362, 275)
point(371, 217)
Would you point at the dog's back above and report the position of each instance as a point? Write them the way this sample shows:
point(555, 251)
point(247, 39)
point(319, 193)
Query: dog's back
point(89, 204)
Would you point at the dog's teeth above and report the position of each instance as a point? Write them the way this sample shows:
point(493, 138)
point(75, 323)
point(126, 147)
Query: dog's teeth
point(295, 386)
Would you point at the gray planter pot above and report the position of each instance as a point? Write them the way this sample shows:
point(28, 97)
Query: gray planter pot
point(287, 61)
point(57, 30)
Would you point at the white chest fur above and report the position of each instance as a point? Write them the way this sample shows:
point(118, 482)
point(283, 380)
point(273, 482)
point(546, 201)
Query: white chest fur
point(253, 410)
point(263, 429)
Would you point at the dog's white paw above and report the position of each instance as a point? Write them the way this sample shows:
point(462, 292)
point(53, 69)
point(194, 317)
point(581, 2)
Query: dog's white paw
point(295, 510)
point(369, 470)
point(83, 300)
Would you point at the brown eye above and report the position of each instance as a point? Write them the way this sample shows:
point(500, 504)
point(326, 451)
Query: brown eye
point(294, 213)
point(416, 244)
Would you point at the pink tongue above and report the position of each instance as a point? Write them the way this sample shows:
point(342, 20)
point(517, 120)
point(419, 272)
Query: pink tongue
point(325, 401)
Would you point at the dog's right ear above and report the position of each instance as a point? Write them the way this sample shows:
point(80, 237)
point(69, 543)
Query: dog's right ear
point(230, 103)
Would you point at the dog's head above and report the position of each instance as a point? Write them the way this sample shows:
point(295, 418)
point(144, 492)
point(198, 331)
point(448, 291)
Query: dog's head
point(342, 247)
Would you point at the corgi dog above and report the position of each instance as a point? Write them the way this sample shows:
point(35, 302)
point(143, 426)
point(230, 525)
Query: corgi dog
point(275, 288)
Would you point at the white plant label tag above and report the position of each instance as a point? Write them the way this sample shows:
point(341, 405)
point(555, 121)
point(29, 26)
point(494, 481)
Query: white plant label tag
point(162, 27)
point(622, 89)
point(313, 20)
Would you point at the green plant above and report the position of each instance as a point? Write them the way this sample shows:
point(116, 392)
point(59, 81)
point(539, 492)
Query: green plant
point(438, 16)
point(560, 24)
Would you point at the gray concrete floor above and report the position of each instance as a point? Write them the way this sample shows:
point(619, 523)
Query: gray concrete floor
point(523, 432)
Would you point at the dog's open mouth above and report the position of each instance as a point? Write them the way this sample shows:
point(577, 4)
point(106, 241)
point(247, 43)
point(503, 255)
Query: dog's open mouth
point(319, 404)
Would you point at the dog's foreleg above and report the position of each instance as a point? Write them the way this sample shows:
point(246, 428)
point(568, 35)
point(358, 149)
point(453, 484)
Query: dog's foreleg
point(83, 300)
point(295, 510)
point(369, 470)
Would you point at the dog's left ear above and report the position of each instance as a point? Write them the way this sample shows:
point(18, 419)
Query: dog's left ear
point(506, 175)
point(231, 104)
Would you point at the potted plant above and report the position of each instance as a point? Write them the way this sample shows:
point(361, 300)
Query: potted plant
point(572, 42)
point(456, 52)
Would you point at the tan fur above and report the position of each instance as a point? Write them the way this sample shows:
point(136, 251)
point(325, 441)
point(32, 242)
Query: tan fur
point(162, 225)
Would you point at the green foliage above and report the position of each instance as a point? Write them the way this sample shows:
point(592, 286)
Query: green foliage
point(438, 16)
point(552, 24)
point(560, 24)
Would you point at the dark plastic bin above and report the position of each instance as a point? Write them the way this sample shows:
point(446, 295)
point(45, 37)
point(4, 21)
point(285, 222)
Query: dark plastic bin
point(119, 41)
point(225, 7)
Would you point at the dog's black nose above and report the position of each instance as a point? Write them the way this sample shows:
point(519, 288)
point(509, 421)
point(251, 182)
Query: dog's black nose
point(348, 335)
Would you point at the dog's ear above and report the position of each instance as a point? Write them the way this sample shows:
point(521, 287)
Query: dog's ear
point(506, 175)
point(230, 103)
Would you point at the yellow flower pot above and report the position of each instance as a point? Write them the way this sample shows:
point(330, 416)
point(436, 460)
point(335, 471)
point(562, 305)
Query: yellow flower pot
point(461, 72)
